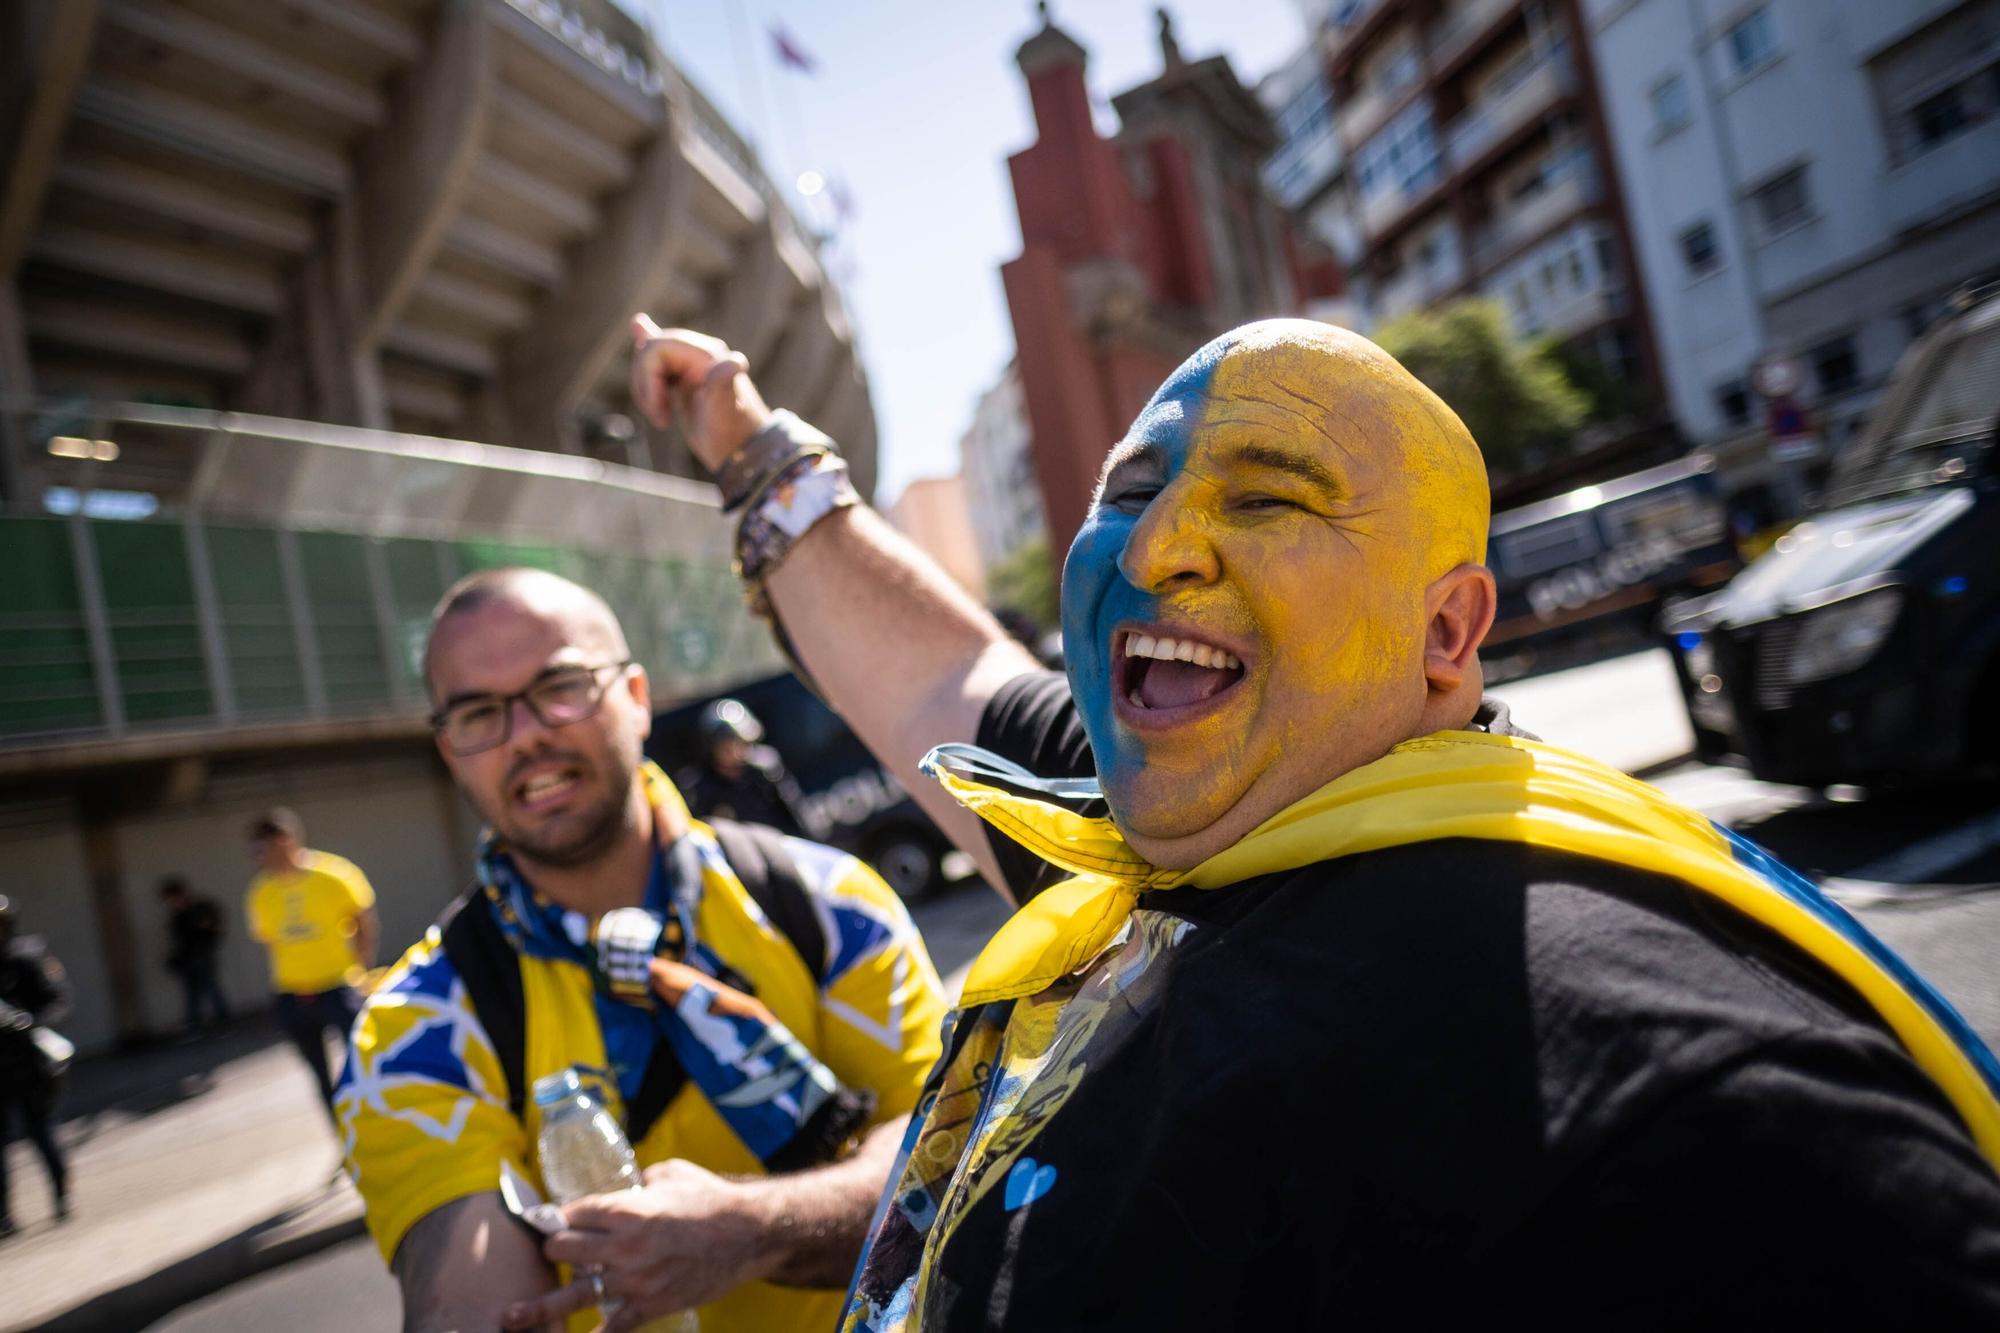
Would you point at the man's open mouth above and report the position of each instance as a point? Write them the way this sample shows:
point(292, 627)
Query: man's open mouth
point(546, 786)
point(1159, 673)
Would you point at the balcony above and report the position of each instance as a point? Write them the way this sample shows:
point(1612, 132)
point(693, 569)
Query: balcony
point(1953, 173)
point(1362, 115)
point(1585, 312)
point(1467, 24)
point(1520, 95)
point(1518, 224)
point(1382, 212)
point(1415, 289)
point(285, 596)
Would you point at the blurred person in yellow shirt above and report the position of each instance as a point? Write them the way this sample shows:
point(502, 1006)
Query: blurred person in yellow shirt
point(314, 913)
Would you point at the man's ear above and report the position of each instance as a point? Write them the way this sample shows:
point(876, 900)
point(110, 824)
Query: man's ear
point(641, 689)
point(1460, 609)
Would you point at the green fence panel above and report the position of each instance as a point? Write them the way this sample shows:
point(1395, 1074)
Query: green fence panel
point(149, 605)
point(416, 581)
point(344, 620)
point(46, 681)
point(257, 631)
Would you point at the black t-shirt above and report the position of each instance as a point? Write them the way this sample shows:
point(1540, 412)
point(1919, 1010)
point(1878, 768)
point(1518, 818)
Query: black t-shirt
point(196, 931)
point(1454, 1082)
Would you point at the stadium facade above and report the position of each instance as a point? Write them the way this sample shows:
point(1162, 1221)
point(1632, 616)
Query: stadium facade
point(306, 308)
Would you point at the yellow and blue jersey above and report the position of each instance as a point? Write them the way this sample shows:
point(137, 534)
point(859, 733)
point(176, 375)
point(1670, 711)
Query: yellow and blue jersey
point(423, 1101)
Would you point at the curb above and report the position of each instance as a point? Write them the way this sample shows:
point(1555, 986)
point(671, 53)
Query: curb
point(281, 1239)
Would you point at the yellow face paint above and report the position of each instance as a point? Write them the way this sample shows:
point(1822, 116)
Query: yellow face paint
point(1283, 504)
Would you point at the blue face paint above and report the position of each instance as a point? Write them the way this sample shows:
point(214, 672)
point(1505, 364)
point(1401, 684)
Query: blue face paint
point(1096, 595)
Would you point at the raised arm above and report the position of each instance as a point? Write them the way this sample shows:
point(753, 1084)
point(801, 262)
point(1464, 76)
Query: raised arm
point(906, 655)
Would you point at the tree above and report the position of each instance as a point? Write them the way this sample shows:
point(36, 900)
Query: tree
point(1025, 582)
point(1514, 398)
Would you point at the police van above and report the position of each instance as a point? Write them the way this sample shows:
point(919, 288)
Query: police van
point(850, 800)
point(1584, 575)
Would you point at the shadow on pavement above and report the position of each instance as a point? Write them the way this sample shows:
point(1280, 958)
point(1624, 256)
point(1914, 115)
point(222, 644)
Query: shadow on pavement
point(143, 1080)
point(1838, 838)
point(293, 1233)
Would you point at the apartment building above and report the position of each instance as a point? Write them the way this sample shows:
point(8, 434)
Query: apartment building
point(1807, 180)
point(1475, 164)
point(997, 459)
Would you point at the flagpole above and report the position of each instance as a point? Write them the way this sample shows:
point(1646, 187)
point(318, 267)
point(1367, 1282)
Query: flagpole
point(789, 110)
point(750, 78)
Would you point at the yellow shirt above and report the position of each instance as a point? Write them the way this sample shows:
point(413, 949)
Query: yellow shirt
point(423, 1101)
point(305, 920)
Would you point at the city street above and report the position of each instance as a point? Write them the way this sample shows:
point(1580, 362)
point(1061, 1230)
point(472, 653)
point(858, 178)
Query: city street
point(1920, 869)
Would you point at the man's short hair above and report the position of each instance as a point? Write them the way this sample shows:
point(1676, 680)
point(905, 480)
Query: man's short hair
point(519, 581)
point(278, 819)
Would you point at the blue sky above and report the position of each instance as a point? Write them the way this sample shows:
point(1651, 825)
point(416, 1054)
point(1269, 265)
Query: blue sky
point(915, 107)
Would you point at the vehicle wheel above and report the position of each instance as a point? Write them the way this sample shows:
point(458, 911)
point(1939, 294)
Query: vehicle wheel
point(908, 863)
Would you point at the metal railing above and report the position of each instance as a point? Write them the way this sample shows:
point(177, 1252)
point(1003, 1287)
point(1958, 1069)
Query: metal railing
point(288, 578)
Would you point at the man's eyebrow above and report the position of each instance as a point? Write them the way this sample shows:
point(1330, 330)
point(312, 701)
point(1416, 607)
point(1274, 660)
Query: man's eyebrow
point(471, 696)
point(1131, 452)
point(1303, 466)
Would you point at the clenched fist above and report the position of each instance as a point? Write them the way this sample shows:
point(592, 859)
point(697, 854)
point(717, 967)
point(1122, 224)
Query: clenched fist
point(678, 373)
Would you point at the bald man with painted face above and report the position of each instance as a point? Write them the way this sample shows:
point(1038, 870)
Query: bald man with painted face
point(1331, 997)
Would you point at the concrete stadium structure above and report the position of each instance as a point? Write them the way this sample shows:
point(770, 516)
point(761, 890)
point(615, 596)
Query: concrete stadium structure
point(307, 307)
point(420, 215)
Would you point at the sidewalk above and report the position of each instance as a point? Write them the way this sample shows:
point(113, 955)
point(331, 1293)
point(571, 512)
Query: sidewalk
point(191, 1167)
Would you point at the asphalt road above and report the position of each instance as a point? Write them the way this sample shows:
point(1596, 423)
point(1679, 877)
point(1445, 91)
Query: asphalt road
point(1922, 870)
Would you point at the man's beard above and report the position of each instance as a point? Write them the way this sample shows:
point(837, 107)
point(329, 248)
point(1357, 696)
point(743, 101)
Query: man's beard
point(598, 834)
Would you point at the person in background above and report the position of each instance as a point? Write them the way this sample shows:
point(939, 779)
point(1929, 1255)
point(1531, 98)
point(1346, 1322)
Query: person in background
point(195, 927)
point(739, 777)
point(314, 913)
point(33, 992)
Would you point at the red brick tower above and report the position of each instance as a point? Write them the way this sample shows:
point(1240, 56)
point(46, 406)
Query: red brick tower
point(1137, 249)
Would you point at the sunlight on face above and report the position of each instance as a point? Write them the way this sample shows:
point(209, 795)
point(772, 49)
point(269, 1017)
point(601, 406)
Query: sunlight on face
point(1244, 608)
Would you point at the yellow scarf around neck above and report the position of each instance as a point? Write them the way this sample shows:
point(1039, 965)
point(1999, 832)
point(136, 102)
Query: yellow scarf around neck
point(1461, 784)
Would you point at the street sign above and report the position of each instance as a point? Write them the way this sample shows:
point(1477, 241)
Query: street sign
point(1786, 420)
point(1777, 376)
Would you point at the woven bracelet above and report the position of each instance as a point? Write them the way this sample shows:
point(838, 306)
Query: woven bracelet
point(803, 493)
point(750, 469)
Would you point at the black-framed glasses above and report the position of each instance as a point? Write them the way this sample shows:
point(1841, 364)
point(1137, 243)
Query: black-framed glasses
point(557, 697)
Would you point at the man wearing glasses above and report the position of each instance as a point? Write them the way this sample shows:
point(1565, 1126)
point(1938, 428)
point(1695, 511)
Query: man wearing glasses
point(765, 1096)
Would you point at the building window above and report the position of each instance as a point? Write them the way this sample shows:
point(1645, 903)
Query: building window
point(1732, 399)
point(1670, 104)
point(1401, 70)
point(1699, 251)
point(1938, 118)
point(1835, 365)
point(1404, 152)
point(1918, 318)
point(1620, 352)
point(1782, 202)
point(1752, 42)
